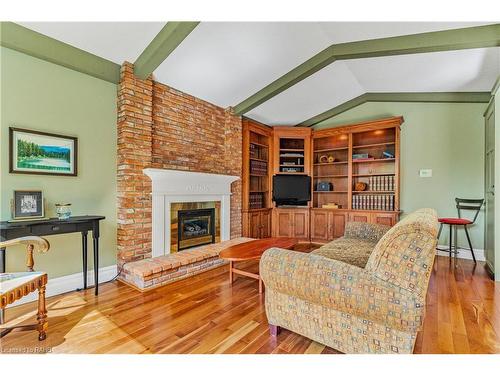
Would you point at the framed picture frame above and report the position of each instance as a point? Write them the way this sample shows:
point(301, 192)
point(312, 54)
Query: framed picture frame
point(34, 152)
point(28, 205)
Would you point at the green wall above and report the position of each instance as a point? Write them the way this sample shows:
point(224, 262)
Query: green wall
point(445, 137)
point(42, 96)
point(496, 92)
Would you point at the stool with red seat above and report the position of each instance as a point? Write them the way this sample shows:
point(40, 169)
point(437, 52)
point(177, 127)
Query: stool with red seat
point(454, 222)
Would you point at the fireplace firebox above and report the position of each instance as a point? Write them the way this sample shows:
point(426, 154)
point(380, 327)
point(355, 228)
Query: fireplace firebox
point(195, 227)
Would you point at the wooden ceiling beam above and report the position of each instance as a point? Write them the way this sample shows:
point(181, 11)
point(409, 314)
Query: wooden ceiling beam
point(418, 97)
point(448, 40)
point(167, 40)
point(22, 39)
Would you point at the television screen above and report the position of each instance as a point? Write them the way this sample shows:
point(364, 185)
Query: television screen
point(291, 190)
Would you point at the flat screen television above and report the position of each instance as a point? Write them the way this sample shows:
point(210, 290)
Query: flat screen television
point(291, 190)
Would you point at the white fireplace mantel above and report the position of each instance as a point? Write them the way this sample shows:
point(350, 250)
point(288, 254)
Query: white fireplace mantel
point(169, 186)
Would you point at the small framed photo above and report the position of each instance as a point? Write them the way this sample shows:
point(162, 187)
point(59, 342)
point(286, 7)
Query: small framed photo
point(28, 204)
point(34, 152)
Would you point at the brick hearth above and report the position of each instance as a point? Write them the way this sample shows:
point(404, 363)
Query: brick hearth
point(154, 272)
point(160, 127)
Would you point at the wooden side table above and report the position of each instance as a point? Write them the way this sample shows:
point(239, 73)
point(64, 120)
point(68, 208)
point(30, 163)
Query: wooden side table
point(14, 286)
point(253, 250)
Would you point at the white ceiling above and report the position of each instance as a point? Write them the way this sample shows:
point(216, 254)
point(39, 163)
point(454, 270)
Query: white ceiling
point(226, 62)
point(467, 70)
point(115, 41)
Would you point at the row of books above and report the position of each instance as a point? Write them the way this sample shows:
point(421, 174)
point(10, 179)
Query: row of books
point(256, 200)
point(381, 183)
point(258, 167)
point(382, 202)
point(257, 152)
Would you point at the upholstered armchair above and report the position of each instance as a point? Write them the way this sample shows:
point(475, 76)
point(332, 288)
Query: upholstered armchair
point(375, 309)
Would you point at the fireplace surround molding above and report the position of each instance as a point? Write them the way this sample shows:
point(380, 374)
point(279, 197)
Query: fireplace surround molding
point(169, 186)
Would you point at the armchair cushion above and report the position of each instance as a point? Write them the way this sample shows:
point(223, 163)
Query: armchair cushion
point(340, 286)
point(365, 231)
point(348, 250)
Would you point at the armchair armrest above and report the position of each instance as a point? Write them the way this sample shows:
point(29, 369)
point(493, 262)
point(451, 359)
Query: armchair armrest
point(365, 231)
point(31, 242)
point(340, 286)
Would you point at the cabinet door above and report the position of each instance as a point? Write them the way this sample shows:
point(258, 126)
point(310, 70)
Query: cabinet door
point(283, 224)
point(254, 224)
point(265, 224)
point(320, 226)
point(360, 216)
point(301, 225)
point(489, 174)
point(336, 225)
point(383, 218)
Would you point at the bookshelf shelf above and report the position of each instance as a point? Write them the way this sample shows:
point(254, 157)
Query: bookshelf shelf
point(331, 192)
point(333, 163)
point(374, 192)
point(332, 149)
point(372, 174)
point(374, 160)
point(374, 145)
point(259, 144)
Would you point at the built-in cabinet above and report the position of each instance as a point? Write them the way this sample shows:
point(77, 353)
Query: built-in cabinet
point(326, 225)
point(354, 173)
point(291, 222)
point(258, 223)
point(489, 185)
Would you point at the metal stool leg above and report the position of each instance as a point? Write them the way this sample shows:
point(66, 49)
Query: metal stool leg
point(451, 238)
point(470, 243)
point(440, 230)
point(456, 241)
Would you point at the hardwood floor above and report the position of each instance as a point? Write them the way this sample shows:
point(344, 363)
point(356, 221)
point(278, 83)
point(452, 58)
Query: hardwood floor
point(204, 314)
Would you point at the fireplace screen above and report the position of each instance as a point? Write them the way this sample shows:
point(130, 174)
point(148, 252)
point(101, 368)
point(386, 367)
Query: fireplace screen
point(195, 227)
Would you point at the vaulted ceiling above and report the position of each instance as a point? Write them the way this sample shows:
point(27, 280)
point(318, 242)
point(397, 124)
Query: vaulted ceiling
point(226, 63)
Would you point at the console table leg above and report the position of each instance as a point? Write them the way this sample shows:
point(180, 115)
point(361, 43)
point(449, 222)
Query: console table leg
point(230, 271)
point(96, 264)
point(84, 254)
point(260, 285)
point(42, 314)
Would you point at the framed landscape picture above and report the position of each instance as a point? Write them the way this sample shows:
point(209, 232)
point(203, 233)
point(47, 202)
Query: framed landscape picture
point(35, 152)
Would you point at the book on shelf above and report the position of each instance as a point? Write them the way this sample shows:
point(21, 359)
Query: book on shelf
point(360, 156)
point(380, 202)
point(256, 200)
point(381, 183)
point(258, 167)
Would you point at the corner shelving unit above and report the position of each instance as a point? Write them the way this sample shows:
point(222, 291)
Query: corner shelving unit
point(256, 179)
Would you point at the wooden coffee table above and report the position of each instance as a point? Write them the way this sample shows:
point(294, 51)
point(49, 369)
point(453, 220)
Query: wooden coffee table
point(253, 250)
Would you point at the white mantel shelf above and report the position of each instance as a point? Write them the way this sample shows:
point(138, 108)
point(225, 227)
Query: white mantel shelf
point(176, 186)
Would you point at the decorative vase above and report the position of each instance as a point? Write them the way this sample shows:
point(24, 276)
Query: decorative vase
point(63, 211)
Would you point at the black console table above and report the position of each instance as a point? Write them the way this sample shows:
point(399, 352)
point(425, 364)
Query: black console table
point(83, 224)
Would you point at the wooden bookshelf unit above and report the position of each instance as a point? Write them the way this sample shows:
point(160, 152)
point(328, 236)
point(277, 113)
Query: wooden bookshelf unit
point(354, 173)
point(256, 177)
point(359, 165)
point(292, 150)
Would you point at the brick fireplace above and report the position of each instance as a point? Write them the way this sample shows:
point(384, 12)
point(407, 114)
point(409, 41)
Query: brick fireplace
point(175, 191)
point(162, 128)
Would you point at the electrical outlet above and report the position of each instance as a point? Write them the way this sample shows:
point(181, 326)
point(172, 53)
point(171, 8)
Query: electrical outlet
point(425, 173)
